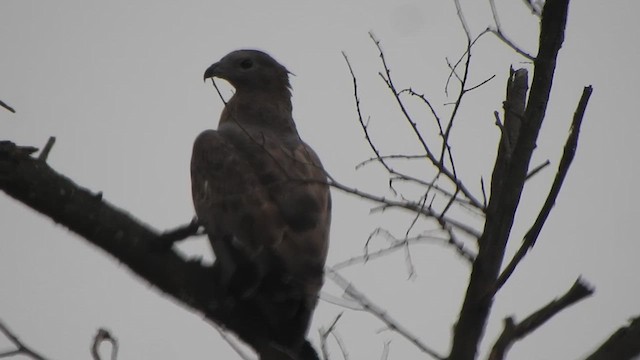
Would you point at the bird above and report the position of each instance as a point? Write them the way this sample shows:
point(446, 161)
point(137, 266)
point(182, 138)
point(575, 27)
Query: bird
point(262, 196)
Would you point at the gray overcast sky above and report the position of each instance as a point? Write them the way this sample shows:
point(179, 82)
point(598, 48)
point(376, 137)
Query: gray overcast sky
point(119, 84)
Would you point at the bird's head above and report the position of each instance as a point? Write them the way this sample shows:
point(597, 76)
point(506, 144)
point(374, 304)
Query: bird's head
point(250, 70)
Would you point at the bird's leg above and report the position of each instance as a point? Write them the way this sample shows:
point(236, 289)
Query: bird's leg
point(227, 268)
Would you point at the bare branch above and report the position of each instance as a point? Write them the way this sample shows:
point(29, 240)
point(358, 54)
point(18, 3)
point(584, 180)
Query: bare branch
point(44, 154)
point(382, 315)
point(463, 22)
point(563, 168)
point(38, 186)
point(500, 35)
point(498, 32)
point(438, 164)
point(21, 348)
point(389, 157)
point(385, 350)
point(407, 205)
point(513, 332)
point(398, 244)
point(506, 189)
point(623, 344)
point(537, 169)
point(364, 125)
point(4, 105)
point(324, 334)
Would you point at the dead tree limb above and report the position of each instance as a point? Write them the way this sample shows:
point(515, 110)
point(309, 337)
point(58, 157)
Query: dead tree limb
point(506, 188)
point(624, 344)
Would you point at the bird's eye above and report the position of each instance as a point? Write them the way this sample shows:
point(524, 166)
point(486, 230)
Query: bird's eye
point(246, 64)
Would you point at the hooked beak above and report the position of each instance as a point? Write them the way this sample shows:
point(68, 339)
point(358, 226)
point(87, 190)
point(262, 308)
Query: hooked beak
point(211, 71)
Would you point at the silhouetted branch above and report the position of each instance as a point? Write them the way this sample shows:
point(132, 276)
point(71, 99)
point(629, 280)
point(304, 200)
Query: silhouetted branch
point(4, 105)
point(381, 314)
point(324, 335)
point(44, 154)
point(622, 345)
point(563, 168)
point(498, 32)
point(515, 331)
point(407, 205)
point(398, 244)
point(507, 184)
point(32, 182)
point(21, 348)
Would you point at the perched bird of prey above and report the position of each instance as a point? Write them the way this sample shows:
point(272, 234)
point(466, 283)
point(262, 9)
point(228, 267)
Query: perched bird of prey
point(261, 194)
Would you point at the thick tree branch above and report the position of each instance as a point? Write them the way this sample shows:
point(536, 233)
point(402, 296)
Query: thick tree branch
point(513, 332)
point(563, 168)
point(507, 189)
point(34, 183)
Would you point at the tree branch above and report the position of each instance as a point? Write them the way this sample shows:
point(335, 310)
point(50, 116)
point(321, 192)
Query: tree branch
point(4, 105)
point(513, 332)
point(563, 168)
point(372, 308)
point(506, 188)
point(622, 345)
point(21, 348)
point(34, 183)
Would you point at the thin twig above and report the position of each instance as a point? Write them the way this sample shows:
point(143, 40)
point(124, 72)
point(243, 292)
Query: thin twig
point(498, 32)
point(389, 157)
point(407, 205)
point(324, 334)
point(500, 35)
point(537, 169)
point(218, 91)
point(4, 105)
point(438, 164)
point(382, 315)
point(385, 350)
point(21, 348)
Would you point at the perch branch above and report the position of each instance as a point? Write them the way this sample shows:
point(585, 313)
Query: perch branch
point(35, 184)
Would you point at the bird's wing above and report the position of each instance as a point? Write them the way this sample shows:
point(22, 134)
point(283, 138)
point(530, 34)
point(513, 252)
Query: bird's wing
point(229, 199)
point(295, 181)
